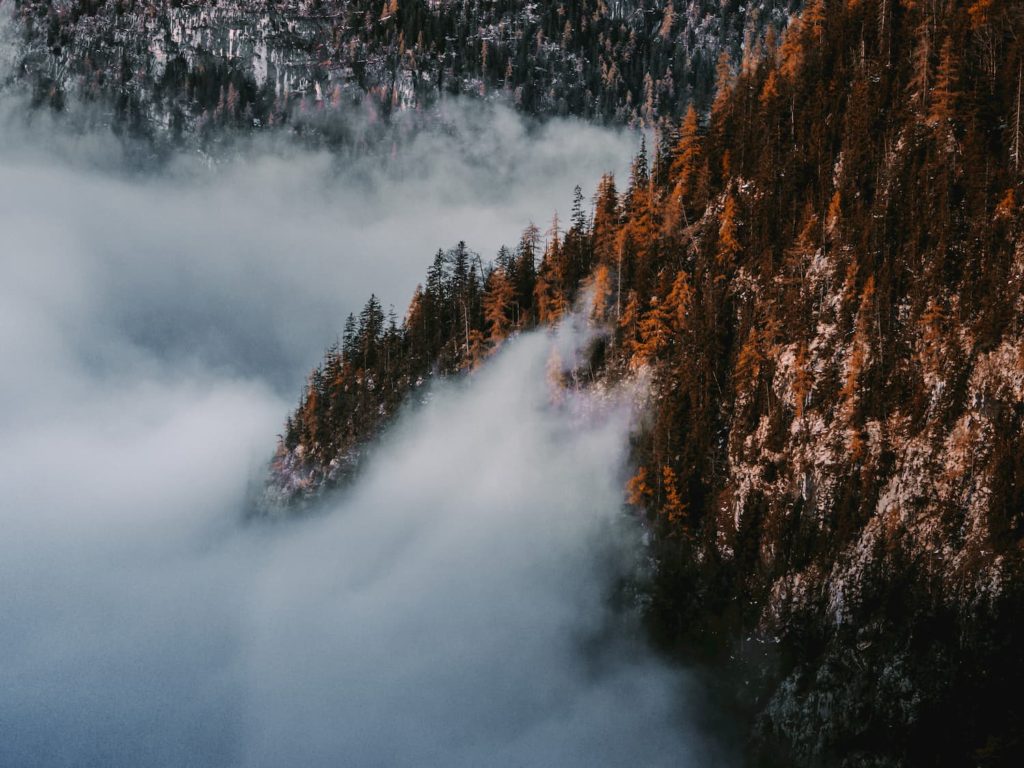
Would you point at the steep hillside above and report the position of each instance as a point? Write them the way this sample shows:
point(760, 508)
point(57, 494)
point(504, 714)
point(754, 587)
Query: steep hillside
point(186, 67)
point(824, 279)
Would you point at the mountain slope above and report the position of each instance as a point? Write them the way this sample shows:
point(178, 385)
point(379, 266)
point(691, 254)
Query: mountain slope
point(824, 279)
point(188, 66)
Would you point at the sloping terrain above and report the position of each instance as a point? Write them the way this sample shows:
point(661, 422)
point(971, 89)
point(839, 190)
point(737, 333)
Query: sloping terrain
point(190, 67)
point(824, 280)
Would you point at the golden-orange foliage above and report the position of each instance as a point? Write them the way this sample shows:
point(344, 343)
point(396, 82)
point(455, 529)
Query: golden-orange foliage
point(672, 506)
point(728, 241)
point(638, 491)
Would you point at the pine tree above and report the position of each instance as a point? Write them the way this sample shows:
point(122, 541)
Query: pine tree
point(834, 217)
point(679, 302)
point(689, 171)
point(499, 296)
point(628, 318)
point(722, 105)
point(475, 349)
point(578, 221)
point(749, 360)
point(459, 258)
point(655, 332)
point(920, 81)
point(815, 17)
point(606, 220)
point(370, 332)
point(638, 191)
point(770, 90)
point(791, 50)
point(673, 508)
point(436, 279)
point(549, 295)
point(857, 361)
point(946, 92)
point(523, 274)
point(349, 336)
point(638, 491)
point(728, 242)
point(601, 289)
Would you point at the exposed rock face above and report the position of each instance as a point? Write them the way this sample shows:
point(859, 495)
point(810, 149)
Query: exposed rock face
point(187, 66)
point(880, 557)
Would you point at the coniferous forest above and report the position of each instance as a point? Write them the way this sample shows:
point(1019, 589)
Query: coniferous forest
point(824, 279)
point(814, 267)
point(194, 69)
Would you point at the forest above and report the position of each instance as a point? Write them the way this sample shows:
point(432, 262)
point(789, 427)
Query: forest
point(821, 272)
point(191, 69)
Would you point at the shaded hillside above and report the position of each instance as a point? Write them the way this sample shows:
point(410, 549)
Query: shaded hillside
point(185, 67)
point(825, 279)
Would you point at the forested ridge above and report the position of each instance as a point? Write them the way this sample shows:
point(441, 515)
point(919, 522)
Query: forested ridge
point(822, 275)
point(193, 68)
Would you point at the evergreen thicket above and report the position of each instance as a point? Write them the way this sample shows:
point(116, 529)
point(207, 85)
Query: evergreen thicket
point(246, 63)
point(824, 277)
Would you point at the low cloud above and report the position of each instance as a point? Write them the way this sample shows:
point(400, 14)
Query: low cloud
point(251, 261)
point(450, 609)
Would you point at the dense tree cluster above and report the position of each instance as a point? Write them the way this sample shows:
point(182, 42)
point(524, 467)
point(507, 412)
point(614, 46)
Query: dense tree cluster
point(824, 277)
point(192, 65)
point(461, 313)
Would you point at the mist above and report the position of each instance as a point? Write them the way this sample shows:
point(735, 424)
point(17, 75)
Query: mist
point(451, 608)
point(250, 260)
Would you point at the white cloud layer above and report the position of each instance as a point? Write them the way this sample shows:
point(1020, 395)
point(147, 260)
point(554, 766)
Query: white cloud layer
point(251, 262)
point(449, 610)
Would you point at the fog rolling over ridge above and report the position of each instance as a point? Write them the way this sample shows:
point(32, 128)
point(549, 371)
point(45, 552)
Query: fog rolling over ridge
point(450, 609)
point(250, 261)
point(461, 598)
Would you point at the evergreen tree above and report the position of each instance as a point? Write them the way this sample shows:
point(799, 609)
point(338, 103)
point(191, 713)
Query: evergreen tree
point(499, 298)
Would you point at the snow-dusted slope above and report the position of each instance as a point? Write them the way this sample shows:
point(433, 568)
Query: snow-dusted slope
point(194, 65)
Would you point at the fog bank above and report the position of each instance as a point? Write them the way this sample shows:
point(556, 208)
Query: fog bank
point(451, 609)
point(249, 262)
